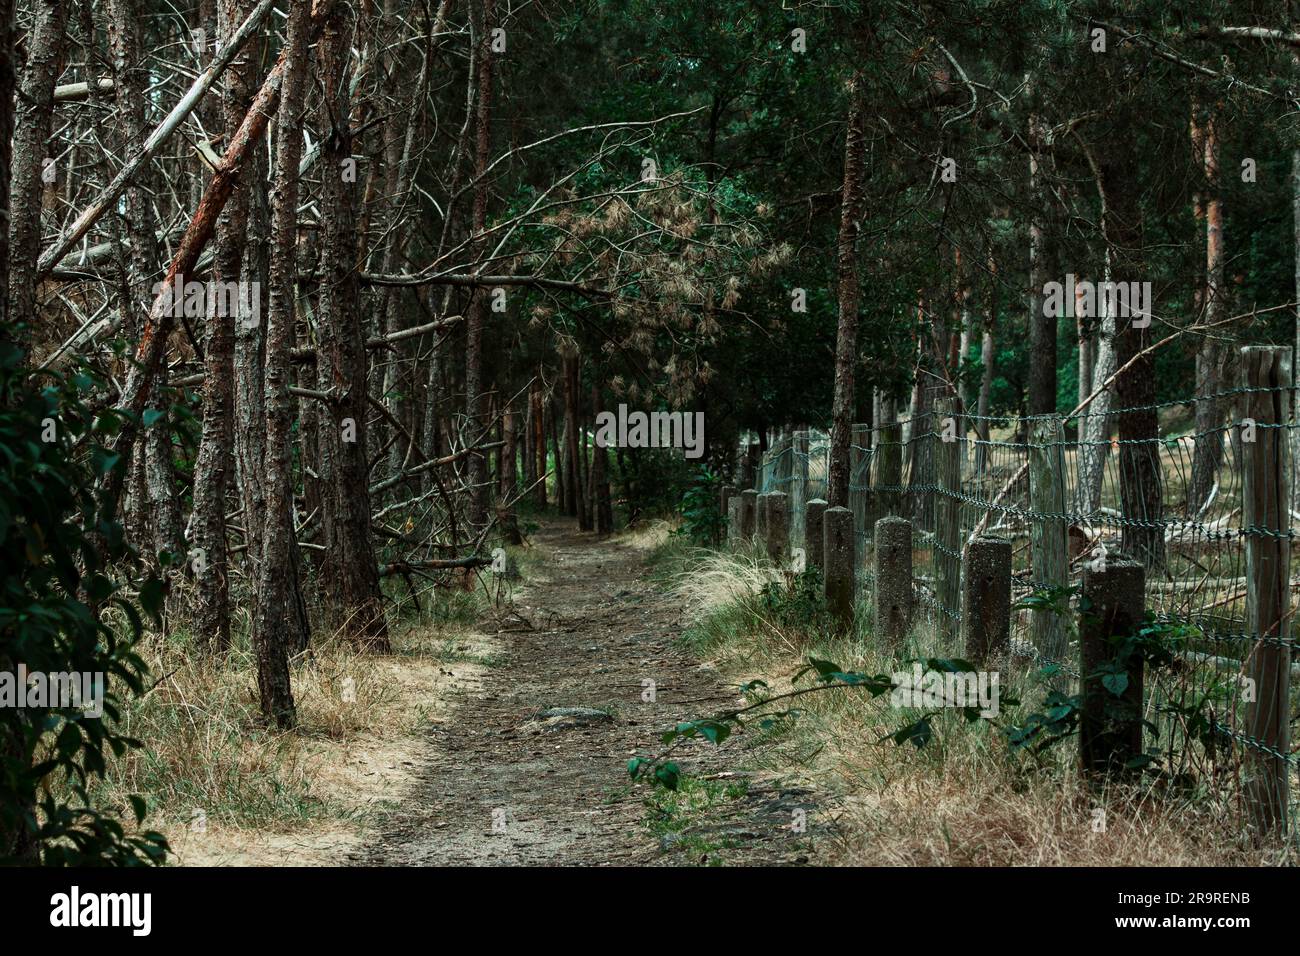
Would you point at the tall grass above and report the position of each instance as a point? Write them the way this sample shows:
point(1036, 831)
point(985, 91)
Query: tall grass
point(965, 798)
point(208, 751)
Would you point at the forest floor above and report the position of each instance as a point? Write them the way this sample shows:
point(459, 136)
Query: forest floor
point(498, 781)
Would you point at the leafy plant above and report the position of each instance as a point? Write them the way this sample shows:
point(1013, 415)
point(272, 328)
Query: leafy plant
point(59, 551)
point(799, 601)
point(702, 518)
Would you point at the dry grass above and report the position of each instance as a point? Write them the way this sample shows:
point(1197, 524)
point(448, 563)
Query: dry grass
point(964, 799)
point(225, 789)
point(647, 535)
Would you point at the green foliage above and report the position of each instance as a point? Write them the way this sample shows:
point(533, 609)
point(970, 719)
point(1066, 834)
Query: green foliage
point(59, 548)
point(702, 519)
point(799, 601)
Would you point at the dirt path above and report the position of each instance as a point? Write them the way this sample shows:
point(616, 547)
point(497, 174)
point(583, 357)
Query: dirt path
point(501, 785)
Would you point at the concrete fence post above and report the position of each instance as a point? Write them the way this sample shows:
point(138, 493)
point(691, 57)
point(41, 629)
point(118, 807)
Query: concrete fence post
point(748, 516)
point(893, 573)
point(986, 600)
point(733, 521)
point(837, 555)
point(760, 516)
point(1267, 372)
point(776, 530)
point(813, 543)
point(1112, 605)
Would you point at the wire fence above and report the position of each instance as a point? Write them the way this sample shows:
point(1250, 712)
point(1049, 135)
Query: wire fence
point(1068, 494)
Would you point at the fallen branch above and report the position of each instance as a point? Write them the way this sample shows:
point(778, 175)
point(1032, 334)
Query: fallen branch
point(157, 325)
point(434, 564)
point(162, 132)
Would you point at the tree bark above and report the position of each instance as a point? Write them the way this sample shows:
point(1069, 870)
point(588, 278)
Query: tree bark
point(507, 518)
point(33, 110)
point(986, 373)
point(1042, 328)
point(1207, 452)
point(539, 440)
point(572, 478)
point(603, 512)
point(151, 345)
point(1141, 494)
point(481, 12)
point(272, 622)
point(348, 568)
point(846, 257)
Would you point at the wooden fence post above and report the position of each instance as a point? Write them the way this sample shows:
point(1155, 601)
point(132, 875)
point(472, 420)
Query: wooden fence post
point(1048, 530)
point(1266, 518)
point(947, 515)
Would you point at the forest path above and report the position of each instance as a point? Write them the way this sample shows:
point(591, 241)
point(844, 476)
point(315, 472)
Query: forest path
point(500, 785)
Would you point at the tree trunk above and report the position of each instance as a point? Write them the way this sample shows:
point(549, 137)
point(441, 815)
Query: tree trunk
point(846, 260)
point(349, 567)
point(17, 842)
point(1042, 328)
point(986, 373)
point(272, 622)
point(1207, 453)
point(212, 470)
point(561, 455)
point(601, 505)
point(572, 478)
point(34, 106)
point(242, 250)
point(1141, 495)
point(509, 483)
point(482, 20)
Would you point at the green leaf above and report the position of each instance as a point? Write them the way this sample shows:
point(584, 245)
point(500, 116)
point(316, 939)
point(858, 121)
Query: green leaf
point(1116, 683)
point(668, 774)
point(918, 734)
point(151, 598)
